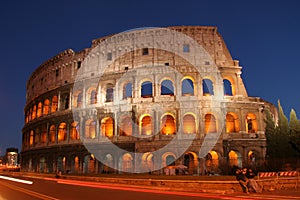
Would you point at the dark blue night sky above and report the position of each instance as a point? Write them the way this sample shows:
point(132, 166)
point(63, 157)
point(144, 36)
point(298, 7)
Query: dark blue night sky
point(263, 35)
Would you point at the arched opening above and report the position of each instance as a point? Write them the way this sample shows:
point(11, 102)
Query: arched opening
point(90, 129)
point(62, 132)
point(147, 162)
point(64, 101)
point(190, 161)
point(146, 90)
point(52, 134)
point(77, 99)
point(54, 104)
point(227, 87)
point(44, 134)
point(212, 162)
point(251, 157)
point(37, 136)
point(207, 87)
point(210, 124)
point(33, 116)
point(232, 123)
point(189, 124)
point(187, 87)
point(89, 164)
point(170, 160)
point(109, 93)
point(42, 165)
point(126, 126)
point(76, 165)
point(251, 123)
point(146, 125)
point(39, 109)
point(127, 163)
point(235, 159)
point(127, 91)
point(108, 164)
point(31, 138)
point(168, 125)
point(46, 107)
point(107, 127)
point(167, 88)
point(93, 97)
point(74, 131)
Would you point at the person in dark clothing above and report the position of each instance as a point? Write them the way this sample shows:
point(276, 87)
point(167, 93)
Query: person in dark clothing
point(240, 175)
point(252, 184)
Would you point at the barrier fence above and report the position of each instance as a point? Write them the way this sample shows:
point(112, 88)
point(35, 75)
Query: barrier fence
point(278, 180)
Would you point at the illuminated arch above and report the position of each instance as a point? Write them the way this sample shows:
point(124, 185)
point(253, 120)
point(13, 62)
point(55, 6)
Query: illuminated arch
point(62, 132)
point(146, 125)
point(74, 131)
point(168, 125)
point(46, 107)
point(251, 123)
point(147, 162)
point(232, 123)
point(40, 109)
point(212, 161)
point(33, 115)
point(235, 158)
point(54, 104)
point(107, 127)
point(90, 129)
point(210, 123)
point(189, 124)
point(52, 134)
point(190, 160)
point(127, 162)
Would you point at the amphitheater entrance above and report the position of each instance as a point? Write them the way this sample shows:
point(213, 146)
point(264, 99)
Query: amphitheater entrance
point(126, 163)
point(235, 159)
point(212, 162)
point(147, 162)
point(190, 160)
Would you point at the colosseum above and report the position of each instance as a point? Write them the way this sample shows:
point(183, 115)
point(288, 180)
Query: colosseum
point(141, 101)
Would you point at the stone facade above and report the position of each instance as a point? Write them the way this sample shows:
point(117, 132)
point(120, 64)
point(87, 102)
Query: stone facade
point(143, 90)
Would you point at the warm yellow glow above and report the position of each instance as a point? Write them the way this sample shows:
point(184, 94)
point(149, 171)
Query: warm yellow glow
point(62, 132)
point(107, 127)
point(189, 124)
point(210, 124)
point(46, 107)
point(168, 126)
point(39, 110)
point(54, 104)
point(90, 129)
point(146, 125)
point(74, 131)
point(233, 158)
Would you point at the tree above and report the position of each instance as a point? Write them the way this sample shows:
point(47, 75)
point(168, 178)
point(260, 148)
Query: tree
point(282, 139)
point(294, 133)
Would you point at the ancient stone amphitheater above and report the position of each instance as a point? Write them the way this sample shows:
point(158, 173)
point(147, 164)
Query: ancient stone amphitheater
point(159, 100)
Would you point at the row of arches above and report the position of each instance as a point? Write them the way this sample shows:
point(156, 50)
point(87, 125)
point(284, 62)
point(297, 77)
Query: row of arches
point(51, 105)
point(188, 163)
point(169, 125)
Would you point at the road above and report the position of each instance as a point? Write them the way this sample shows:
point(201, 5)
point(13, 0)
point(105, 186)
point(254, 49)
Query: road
point(54, 189)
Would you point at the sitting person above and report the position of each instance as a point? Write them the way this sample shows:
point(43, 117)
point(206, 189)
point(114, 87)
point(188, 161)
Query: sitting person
point(240, 175)
point(252, 184)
